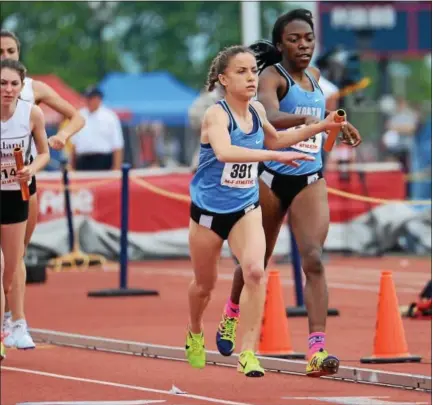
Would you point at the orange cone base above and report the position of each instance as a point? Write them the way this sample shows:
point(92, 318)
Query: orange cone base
point(403, 358)
point(284, 355)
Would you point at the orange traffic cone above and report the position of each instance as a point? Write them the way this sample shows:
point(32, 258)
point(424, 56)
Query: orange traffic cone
point(390, 341)
point(275, 337)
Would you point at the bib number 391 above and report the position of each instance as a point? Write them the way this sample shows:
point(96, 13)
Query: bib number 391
point(239, 175)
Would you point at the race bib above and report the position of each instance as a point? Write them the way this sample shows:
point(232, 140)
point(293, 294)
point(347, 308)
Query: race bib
point(8, 175)
point(312, 145)
point(239, 175)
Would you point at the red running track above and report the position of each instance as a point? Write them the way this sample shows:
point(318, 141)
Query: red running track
point(62, 304)
point(66, 374)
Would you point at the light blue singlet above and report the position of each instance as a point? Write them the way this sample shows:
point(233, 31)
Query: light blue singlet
point(300, 101)
point(228, 187)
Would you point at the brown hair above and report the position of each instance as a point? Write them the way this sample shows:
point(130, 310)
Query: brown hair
point(14, 65)
point(10, 34)
point(221, 61)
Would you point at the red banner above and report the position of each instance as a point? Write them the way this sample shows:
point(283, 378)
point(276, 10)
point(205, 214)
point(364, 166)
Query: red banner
point(160, 201)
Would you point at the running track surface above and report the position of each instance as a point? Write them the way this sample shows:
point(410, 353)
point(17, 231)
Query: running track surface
point(65, 374)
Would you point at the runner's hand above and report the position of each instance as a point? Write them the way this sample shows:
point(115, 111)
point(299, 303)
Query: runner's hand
point(289, 158)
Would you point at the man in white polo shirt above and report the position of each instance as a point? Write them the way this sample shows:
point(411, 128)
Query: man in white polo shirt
point(99, 145)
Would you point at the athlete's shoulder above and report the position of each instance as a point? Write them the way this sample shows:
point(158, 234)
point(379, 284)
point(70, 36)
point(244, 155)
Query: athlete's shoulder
point(269, 71)
point(271, 79)
point(36, 112)
point(215, 114)
point(315, 72)
point(42, 91)
point(258, 106)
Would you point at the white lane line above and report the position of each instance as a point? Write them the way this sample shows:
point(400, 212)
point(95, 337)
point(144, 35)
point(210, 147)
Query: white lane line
point(138, 402)
point(284, 280)
point(355, 400)
point(126, 386)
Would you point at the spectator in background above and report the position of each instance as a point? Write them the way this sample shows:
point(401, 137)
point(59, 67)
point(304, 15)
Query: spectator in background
point(152, 151)
point(99, 145)
point(399, 137)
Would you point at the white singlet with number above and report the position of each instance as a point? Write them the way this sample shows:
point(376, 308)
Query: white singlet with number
point(15, 133)
point(311, 145)
point(239, 175)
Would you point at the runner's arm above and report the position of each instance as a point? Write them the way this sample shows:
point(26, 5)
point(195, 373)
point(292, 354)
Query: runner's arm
point(215, 131)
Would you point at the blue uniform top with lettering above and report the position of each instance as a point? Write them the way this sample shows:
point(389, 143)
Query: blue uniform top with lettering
point(304, 102)
point(228, 187)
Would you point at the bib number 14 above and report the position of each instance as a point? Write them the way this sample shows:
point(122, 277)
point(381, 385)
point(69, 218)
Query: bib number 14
point(8, 175)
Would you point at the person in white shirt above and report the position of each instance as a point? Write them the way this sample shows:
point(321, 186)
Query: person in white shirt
point(34, 92)
point(21, 124)
point(99, 145)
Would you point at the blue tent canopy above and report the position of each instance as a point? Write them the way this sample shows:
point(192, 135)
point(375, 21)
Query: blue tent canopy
point(155, 96)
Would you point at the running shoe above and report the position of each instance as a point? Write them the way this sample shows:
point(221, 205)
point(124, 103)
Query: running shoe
point(7, 323)
point(249, 364)
point(226, 335)
point(194, 350)
point(322, 364)
point(2, 349)
point(19, 336)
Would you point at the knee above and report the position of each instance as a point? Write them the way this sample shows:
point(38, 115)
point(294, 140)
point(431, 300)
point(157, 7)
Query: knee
point(204, 289)
point(312, 261)
point(254, 273)
point(7, 284)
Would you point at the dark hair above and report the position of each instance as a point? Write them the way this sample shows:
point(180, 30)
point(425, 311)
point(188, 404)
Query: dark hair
point(266, 52)
point(14, 65)
point(92, 92)
point(221, 61)
point(10, 34)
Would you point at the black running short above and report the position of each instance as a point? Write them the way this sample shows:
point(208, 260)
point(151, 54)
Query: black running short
point(221, 224)
point(286, 187)
point(32, 186)
point(13, 208)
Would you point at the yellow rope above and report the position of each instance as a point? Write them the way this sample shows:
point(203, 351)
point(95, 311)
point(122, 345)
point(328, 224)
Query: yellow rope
point(161, 191)
point(60, 186)
point(186, 198)
point(418, 176)
point(373, 200)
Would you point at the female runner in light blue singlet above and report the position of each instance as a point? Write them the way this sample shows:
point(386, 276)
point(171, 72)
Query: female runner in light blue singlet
point(225, 193)
point(290, 93)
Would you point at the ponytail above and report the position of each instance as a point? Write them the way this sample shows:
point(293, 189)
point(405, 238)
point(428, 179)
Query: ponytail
point(266, 53)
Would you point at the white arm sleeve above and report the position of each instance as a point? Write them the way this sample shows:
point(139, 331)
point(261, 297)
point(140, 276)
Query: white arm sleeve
point(118, 142)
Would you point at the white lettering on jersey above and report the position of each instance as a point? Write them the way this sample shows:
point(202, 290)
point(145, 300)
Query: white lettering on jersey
point(313, 144)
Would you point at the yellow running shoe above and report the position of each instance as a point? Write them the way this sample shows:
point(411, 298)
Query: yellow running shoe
point(322, 364)
point(249, 364)
point(194, 349)
point(2, 351)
